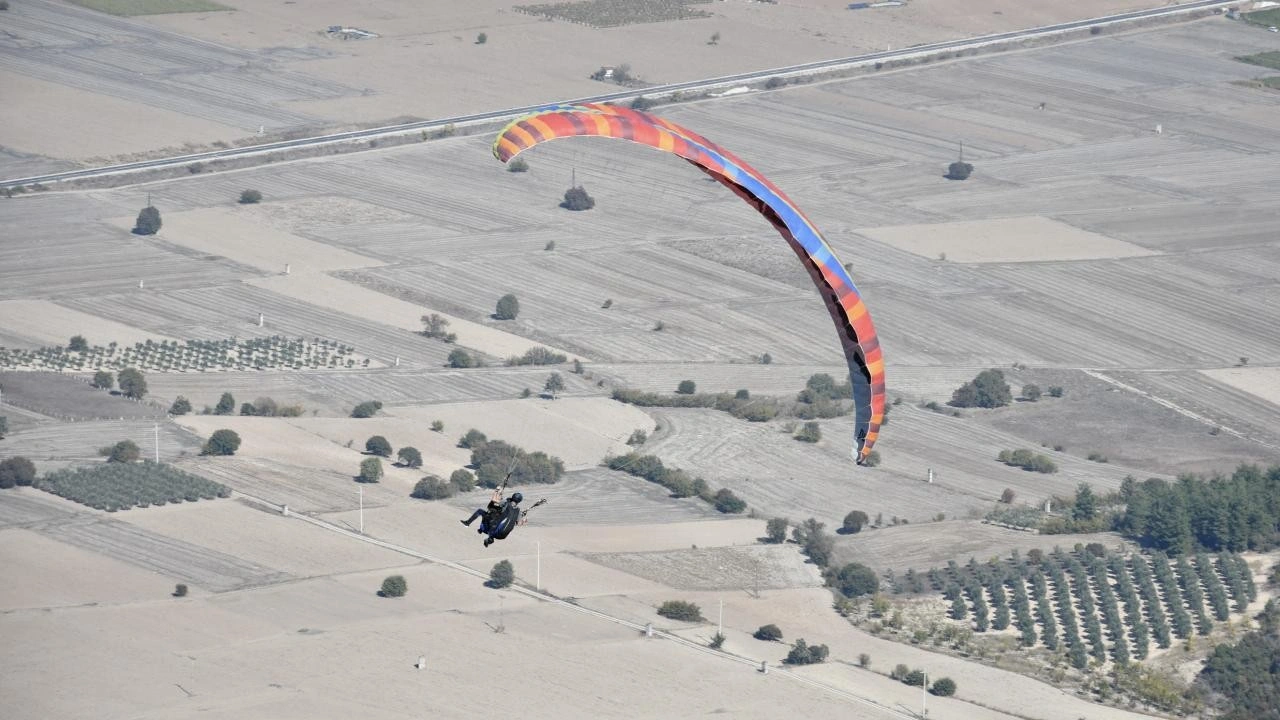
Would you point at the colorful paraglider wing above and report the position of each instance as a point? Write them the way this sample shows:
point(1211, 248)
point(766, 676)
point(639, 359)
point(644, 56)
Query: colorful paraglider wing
point(843, 302)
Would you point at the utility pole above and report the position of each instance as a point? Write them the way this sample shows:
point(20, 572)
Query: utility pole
point(924, 697)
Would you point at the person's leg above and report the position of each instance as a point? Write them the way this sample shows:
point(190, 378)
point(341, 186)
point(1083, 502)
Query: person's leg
point(474, 515)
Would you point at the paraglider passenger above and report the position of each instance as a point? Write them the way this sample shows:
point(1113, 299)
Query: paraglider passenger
point(497, 517)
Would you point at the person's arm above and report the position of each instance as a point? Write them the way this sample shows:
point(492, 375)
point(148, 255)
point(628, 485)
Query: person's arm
point(496, 498)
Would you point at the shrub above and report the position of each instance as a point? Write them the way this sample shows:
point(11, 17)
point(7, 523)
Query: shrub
point(638, 437)
point(686, 387)
point(131, 383)
point(728, 503)
point(180, 590)
point(437, 426)
point(576, 198)
point(553, 385)
point(508, 307)
point(17, 471)
point(103, 380)
point(987, 390)
point(250, 197)
point(804, 654)
point(125, 451)
point(768, 632)
point(4, 426)
point(394, 586)
point(463, 480)
point(539, 356)
point(775, 82)
point(459, 358)
point(78, 344)
point(366, 409)
point(1055, 391)
point(180, 406)
point(370, 470)
point(681, 610)
point(378, 445)
point(959, 171)
point(856, 580)
point(854, 521)
point(811, 432)
point(943, 687)
point(1031, 392)
point(642, 103)
point(148, 222)
point(482, 38)
point(225, 405)
point(915, 678)
point(221, 442)
point(518, 165)
point(1008, 496)
point(472, 439)
point(432, 487)
point(409, 457)
point(776, 530)
point(717, 641)
point(502, 574)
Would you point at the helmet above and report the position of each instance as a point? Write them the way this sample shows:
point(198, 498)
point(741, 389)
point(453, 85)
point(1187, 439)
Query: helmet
point(516, 497)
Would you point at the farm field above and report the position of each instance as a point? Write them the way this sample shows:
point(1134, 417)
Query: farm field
point(1143, 325)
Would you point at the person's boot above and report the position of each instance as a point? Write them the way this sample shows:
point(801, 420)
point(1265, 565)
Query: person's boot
point(465, 522)
point(488, 541)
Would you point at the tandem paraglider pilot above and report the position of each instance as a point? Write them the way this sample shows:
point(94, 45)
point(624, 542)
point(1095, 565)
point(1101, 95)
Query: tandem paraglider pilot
point(498, 518)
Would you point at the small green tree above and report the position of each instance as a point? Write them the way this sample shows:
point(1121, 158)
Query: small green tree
point(943, 687)
point(370, 470)
point(1031, 392)
point(181, 406)
point(4, 426)
point(463, 480)
point(864, 661)
point(16, 471)
point(432, 487)
point(518, 165)
point(502, 574)
point(856, 580)
point(221, 442)
point(437, 426)
point(148, 222)
point(409, 457)
point(394, 586)
point(1007, 496)
point(125, 451)
point(686, 387)
point(250, 197)
point(1086, 506)
point(681, 610)
point(132, 384)
point(775, 530)
point(576, 198)
point(959, 170)
point(472, 439)
point(726, 502)
point(225, 405)
point(804, 654)
point(854, 521)
point(459, 358)
point(482, 39)
point(915, 678)
point(987, 390)
point(768, 632)
point(508, 307)
point(1056, 391)
point(554, 384)
point(180, 590)
point(78, 344)
point(366, 409)
point(378, 445)
point(103, 380)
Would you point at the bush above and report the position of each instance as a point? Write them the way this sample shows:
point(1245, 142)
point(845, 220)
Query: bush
point(432, 487)
point(131, 383)
point(366, 409)
point(943, 687)
point(518, 165)
point(482, 38)
point(125, 451)
point(180, 406)
point(1031, 392)
point(686, 387)
point(855, 580)
point(250, 197)
point(553, 385)
point(473, 439)
point(17, 471)
point(728, 503)
point(378, 445)
point(803, 654)
point(221, 442)
point(717, 641)
point(502, 574)
point(180, 590)
point(409, 457)
point(148, 222)
point(776, 530)
point(370, 470)
point(864, 661)
point(775, 82)
point(78, 344)
point(576, 199)
point(459, 358)
point(394, 586)
point(4, 426)
point(811, 432)
point(508, 307)
point(638, 437)
point(681, 610)
point(854, 521)
point(768, 632)
point(959, 171)
point(987, 390)
point(642, 103)
point(540, 356)
point(915, 678)
point(225, 405)
point(463, 480)
point(103, 380)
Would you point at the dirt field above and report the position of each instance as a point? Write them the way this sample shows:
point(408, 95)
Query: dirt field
point(42, 323)
point(1024, 239)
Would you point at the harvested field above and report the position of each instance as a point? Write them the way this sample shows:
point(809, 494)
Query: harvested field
point(26, 507)
point(611, 13)
point(150, 7)
point(1263, 382)
point(67, 397)
point(1019, 239)
point(750, 569)
point(80, 441)
point(41, 322)
point(43, 573)
point(306, 489)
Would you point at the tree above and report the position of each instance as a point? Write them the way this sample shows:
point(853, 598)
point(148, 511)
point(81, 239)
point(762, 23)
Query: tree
point(250, 197)
point(16, 471)
point(378, 445)
point(728, 503)
point(366, 409)
point(132, 384)
point(768, 632)
point(459, 358)
point(436, 325)
point(463, 480)
point(181, 406)
point(554, 384)
point(856, 580)
point(4, 426)
point(225, 405)
point(943, 687)
point(959, 170)
point(802, 654)
point(502, 574)
point(148, 222)
point(248, 409)
point(811, 432)
point(473, 439)
point(987, 390)
point(103, 380)
point(518, 165)
point(776, 530)
point(854, 521)
point(370, 470)
point(180, 590)
point(1086, 506)
point(432, 487)
point(576, 198)
point(508, 307)
point(681, 610)
point(221, 442)
point(1031, 392)
point(715, 38)
point(394, 586)
point(437, 426)
point(1055, 391)
point(686, 387)
point(482, 39)
point(125, 451)
point(410, 457)
point(78, 344)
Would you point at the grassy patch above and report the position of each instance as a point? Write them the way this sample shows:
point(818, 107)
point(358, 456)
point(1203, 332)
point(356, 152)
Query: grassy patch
point(1272, 83)
point(150, 7)
point(1266, 18)
point(120, 486)
point(1265, 59)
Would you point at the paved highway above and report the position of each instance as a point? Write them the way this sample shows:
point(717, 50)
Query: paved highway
point(699, 85)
